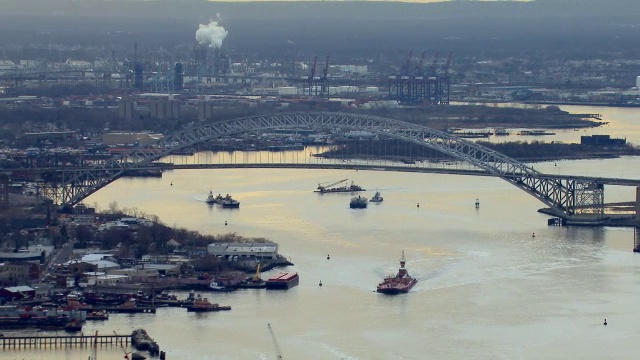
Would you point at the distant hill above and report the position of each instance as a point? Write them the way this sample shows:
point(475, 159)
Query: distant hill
point(359, 26)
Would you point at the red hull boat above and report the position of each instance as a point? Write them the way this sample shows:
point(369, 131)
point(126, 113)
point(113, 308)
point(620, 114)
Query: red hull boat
point(401, 283)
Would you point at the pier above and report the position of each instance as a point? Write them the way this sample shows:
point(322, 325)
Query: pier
point(53, 342)
point(127, 310)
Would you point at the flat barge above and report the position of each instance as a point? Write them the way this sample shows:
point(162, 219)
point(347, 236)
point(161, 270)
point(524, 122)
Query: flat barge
point(283, 281)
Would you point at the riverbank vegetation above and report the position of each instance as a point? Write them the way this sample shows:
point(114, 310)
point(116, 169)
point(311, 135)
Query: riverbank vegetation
point(483, 116)
point(394, 150)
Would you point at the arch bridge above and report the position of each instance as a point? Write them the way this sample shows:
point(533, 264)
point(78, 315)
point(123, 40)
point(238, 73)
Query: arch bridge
point(566, 196)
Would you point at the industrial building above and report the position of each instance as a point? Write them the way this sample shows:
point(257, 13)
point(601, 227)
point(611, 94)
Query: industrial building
point(244, 251)
point(601, 140)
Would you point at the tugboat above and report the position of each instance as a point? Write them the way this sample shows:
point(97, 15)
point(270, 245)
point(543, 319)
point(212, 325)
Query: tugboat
point(358, 202)
point(203, 305)
point(402, 282)
point(229, 202)
point(218, 286)
point(210, 199)
point(376, 198)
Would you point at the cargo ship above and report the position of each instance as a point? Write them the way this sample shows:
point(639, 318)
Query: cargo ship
point(284, 281)
point(402, 282)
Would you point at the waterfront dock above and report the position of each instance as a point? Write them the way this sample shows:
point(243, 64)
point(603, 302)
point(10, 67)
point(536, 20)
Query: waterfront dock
point(26, 342)
point(127, 310)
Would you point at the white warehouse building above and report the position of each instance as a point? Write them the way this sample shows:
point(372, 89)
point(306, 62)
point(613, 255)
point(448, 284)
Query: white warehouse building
point(254, 250)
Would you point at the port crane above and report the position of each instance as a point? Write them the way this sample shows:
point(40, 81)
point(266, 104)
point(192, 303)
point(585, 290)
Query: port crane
point(324, 187)
point(256, 277)
point(275, 343)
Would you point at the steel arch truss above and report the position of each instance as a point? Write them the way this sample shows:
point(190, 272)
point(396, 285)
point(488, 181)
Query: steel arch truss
point(565, 196)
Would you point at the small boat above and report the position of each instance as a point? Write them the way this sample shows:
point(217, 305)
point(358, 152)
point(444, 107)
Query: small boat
point(217, 286)
point(211, 199)
point(358, 202)
point(97, 315)
point(376, 198)
point(203, 305)
point(73, 326)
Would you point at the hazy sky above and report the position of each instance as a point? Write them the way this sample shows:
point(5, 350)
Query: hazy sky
point(413, 1)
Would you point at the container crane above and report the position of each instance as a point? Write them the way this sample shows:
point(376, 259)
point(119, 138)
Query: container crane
point(432, 82)
point(407, 64)
point(324, 187)
point(417, 71)
point(275, 343)
point(405, 80)
point(417, 85)
point(324, 80)
point(312, 75)
point(444, 82)
point(432, 69)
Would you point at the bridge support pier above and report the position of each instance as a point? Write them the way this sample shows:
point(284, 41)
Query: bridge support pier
point(637, 204)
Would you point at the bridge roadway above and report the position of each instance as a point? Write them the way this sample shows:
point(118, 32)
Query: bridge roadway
point(168, 166)
point(344, 166)
point(435, 170)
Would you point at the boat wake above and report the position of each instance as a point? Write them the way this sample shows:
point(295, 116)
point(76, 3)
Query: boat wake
point(338, 353)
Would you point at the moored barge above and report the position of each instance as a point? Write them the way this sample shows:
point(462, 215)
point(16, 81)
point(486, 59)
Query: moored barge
point(283, 281)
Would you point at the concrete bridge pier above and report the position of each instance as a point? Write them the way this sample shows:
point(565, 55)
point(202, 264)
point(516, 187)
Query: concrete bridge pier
point(637, 204)
point(636, 229)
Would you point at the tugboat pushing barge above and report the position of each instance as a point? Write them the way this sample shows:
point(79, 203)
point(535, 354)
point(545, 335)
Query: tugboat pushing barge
point(402, 282)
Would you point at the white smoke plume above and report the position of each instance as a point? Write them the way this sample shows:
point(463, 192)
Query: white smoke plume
point(211, 34)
